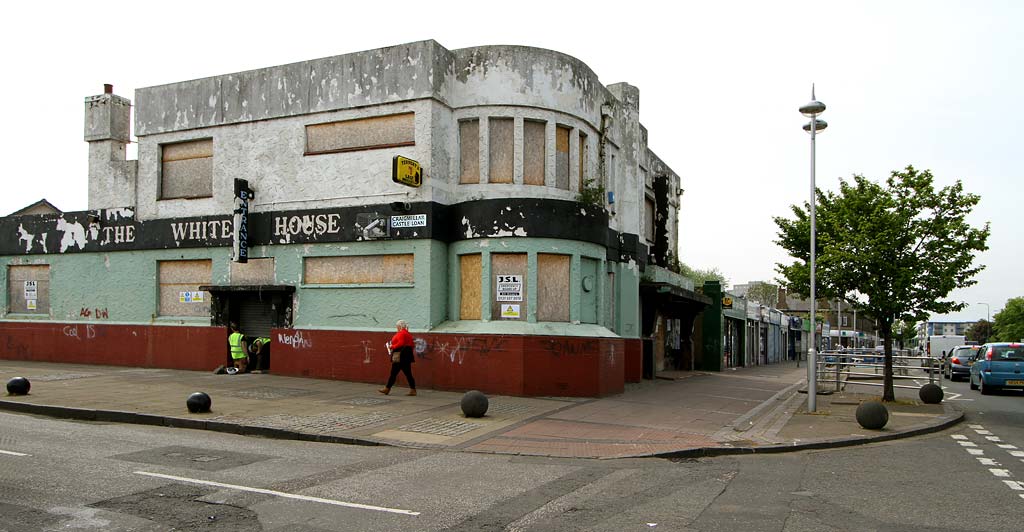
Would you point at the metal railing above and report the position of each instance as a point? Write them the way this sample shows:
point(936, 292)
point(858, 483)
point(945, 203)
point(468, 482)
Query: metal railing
point(845, 367)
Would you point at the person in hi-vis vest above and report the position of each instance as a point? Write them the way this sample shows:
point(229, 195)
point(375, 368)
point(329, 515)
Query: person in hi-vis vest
point(238, 348)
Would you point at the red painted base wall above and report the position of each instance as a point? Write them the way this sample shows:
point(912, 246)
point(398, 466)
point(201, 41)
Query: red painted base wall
point(508, 365)
point(192, 348)
point(498, 364)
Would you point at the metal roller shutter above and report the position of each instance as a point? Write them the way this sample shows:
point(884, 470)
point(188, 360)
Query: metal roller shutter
point(256, 316)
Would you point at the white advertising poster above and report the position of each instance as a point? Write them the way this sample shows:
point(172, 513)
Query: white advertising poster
point(509, 288)
point(409, 220)
point(31, 290)
point(510, 311)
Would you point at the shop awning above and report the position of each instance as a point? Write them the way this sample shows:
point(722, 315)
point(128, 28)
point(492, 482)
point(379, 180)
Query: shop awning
point(674, 301)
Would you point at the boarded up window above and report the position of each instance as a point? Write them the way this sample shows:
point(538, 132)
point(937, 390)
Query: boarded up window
point(469, 149)
point(584, 154)
point(186, 169)
point(502, 149)
point(508, 291)
point(256, 271)
point(179, 287)
point(534, 152)
point(552, 287)
point(360, 269)
point(562, 157)
point(361, 134)
point(28, 289)
point(469, 283)
point(649, 219)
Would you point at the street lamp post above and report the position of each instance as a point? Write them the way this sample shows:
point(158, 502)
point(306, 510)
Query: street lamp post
point(812, 110)
point(988, 312)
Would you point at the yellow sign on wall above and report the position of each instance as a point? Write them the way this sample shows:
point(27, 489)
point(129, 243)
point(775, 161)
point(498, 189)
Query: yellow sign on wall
point(406, 171)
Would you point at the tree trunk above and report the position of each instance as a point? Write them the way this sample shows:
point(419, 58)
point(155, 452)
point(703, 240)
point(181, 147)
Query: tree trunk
point(888, 392)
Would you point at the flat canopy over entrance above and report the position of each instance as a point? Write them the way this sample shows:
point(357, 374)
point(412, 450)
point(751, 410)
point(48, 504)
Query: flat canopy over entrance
point(286, 288)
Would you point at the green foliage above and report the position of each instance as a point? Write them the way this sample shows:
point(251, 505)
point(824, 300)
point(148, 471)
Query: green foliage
point(903, 332)
point(980, 332)
point(1009, 322)
point(900, 247)
point(592, 193)
point(764, 293)
point(700, 276)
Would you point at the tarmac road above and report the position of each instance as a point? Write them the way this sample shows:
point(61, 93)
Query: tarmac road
point(58, 475)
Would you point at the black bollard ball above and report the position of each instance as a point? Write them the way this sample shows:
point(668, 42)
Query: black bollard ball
point(931, 394)
point(872, 415)
point(18, 386)
point(198, 402)
point(474, 404)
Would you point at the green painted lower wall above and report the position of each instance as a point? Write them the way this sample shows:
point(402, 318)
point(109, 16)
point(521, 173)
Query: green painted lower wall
point(122, 287)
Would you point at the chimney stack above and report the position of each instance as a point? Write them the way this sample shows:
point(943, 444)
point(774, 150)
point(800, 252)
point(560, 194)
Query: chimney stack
point(107, 130)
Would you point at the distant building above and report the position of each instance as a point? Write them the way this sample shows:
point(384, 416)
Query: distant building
point(40, 207)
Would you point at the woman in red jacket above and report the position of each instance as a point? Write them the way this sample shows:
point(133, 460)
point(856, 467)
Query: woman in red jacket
point(401, 358)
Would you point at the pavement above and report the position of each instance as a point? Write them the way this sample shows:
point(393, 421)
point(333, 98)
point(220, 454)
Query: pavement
point(679, 414)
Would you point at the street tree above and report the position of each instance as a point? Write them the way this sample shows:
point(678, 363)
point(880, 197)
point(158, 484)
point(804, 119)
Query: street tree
point(1009, 322)
point(894, 251)
point(764, 293)
point(699, 276)
point(980, 331)
point(903, 332)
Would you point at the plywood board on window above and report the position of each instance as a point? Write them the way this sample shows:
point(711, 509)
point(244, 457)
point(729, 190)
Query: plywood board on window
point(469, 151)
point(179, 284)
point(17, 290)
point(193, 149)
point(359, 269)
point(399, 268)
point(562, 157)
point(502, 149)
point(187, 178)
point(256, 271)
point(508, 264)
point(553, 287)
point(534, 142)
point(469, 286)
point(361, 134)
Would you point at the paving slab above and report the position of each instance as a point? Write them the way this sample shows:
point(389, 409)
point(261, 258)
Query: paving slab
point(745, 410)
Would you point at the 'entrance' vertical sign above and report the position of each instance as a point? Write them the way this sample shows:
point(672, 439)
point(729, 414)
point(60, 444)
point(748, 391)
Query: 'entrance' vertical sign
point(240, 239)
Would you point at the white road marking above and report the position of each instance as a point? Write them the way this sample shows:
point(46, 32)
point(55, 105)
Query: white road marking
point(968, 443)
point(983, 432)
point(1017, 454)
point(1014, 485)
point(278, 493)
point(1006, 446)
point(1000, 472)
point(12, 453)
point(975, 451)
point(993, 438)
point(958, 437)
point(988, 461)
point(976, 426)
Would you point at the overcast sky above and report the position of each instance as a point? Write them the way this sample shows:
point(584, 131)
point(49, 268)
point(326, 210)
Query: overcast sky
point(935, 84)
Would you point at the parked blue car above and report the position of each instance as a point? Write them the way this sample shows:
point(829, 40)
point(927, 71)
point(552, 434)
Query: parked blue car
point(999, 365)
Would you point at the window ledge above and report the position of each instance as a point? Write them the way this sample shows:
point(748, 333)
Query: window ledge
point(366, 285)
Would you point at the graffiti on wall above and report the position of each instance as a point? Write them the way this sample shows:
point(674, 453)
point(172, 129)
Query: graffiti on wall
point(559, 347)
point(97, 313)
point(88, 332)
point(295, 340)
